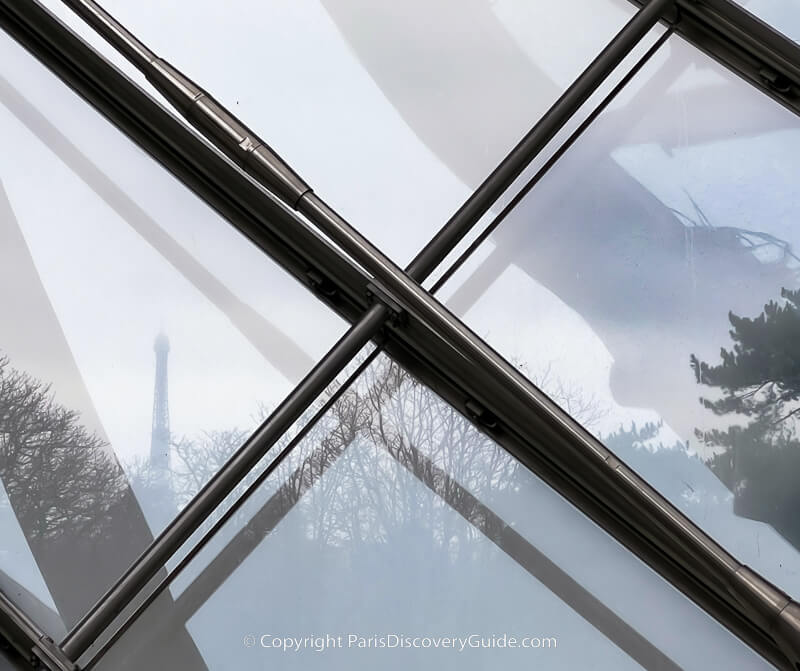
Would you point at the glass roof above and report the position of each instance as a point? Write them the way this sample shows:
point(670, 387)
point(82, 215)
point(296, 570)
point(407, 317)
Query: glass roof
point(783, 15)
point(104, 258)
point(672, 217)
point(397, 112)
point(649, 283)
point(399, 519)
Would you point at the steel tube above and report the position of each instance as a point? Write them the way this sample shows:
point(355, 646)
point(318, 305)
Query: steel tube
point(230, 512)
point(220, 485)
point(557, 154)
point(537, 138)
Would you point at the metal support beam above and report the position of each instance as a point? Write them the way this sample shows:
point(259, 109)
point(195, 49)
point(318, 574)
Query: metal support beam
point(221, 484)
point(229, 512)
point(258, 159)
point(554, 158)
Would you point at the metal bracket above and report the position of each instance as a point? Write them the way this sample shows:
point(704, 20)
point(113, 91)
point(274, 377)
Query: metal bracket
point(780, 614)
point(321, 284)
point(29, 640)
point(775, 80)
point(398, 316)
point(51, 656)
point(481, 415)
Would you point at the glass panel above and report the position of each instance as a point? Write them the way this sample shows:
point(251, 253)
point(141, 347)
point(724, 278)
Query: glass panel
point(393, 111)
point(20, 578)
point(652, 244)
point(558, 141)
point(783, 15)
point(401, 537)
point(138, 329)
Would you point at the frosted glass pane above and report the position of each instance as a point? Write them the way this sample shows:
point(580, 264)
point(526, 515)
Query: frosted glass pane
point(403, 526)
point(104, 258)
point(657, 238)
point(393, 111)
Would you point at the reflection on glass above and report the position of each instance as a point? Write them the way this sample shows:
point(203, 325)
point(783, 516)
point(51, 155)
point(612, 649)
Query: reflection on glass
point(392, 111)
point(20, 577)
point(645, 284)
point(783, 15)
point(136, 326)
point(400, 522)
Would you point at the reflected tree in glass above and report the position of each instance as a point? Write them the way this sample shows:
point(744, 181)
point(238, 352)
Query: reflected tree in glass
point(758, 380)
point(386, 410)
point(60, 477)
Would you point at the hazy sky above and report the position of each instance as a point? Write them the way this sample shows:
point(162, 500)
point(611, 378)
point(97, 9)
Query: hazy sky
point(113, 291)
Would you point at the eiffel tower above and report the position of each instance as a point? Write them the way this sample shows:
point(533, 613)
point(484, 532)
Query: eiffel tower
point(159, 441)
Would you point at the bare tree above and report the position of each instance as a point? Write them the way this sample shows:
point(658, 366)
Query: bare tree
point(387, 417)
point(58, 475)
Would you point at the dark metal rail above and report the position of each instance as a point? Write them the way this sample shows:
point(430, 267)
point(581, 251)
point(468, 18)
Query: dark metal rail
point(503, 176)
point(189, 519)
point(167, 580)
point(551, 161)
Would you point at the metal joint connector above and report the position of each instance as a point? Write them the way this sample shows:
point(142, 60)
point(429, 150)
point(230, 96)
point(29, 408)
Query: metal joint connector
point(778, 614)
point(321, 284)
point(481, 415)
point(53, 658)
point(375, 294)
point(775, 80)
point(237, 141)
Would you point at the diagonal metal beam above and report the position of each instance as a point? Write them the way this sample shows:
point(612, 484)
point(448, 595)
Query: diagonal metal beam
point(258, 159)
